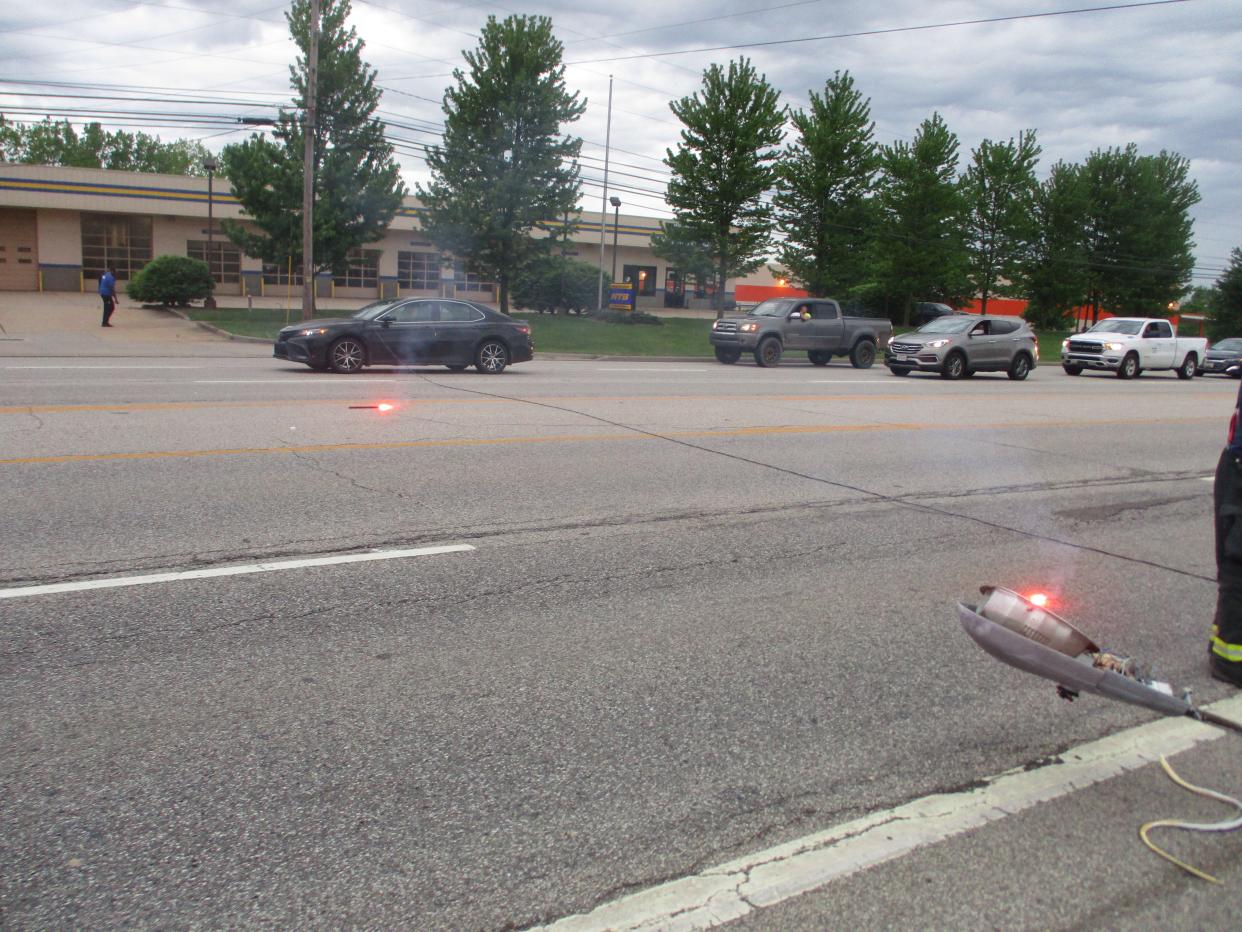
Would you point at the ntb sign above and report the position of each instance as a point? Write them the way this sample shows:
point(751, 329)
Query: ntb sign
point(621, 296)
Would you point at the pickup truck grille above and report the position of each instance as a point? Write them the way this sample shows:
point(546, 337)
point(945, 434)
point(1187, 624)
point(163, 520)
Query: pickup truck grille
point(1085, 346)
point(726, 326)
point(905, 348)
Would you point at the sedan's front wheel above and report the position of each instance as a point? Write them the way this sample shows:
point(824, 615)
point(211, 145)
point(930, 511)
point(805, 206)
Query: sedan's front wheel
point(492, 357)
point(347, 356)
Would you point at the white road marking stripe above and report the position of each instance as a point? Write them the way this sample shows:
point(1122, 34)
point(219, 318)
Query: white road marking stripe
point(241, 570)
point(728, 891)
point(317, 384)
point(105, 367)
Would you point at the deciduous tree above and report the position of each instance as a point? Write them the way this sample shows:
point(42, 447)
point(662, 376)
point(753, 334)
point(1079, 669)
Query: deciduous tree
point(357, 181)
point(1226, 311)
point(920, 249)
point(823, 199)
point(998, 195)
point(723, 166)
point(505, 164)
point(56, 142)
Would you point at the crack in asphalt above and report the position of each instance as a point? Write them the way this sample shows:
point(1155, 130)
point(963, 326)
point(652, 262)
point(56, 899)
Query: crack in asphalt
point(310, 547)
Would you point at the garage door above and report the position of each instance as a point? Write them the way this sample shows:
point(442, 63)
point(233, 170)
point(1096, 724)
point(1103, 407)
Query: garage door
point(19, 256)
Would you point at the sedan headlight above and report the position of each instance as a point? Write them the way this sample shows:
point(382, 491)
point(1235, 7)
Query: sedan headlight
point(313, 332)
point(936, 344)
point(1115, 347)
point(749, 327)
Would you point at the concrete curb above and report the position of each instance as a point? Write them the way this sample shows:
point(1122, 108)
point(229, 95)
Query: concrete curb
point(211, 328)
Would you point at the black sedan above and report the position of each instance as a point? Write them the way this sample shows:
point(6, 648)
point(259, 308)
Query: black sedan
point(409, 332)
point(1223, 356)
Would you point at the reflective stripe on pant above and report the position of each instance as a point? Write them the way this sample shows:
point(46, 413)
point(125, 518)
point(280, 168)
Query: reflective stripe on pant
point(1226, 642)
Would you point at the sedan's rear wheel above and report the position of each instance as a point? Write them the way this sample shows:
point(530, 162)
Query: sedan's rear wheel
point(347, 356)
point(492, 357)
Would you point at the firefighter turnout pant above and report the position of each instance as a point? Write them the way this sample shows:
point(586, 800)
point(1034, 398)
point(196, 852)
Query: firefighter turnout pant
point(1226, 643)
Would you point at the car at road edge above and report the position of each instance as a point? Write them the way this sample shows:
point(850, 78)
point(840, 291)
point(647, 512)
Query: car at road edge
point(409, 332)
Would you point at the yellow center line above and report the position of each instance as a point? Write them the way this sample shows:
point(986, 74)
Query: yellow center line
point(577, 438)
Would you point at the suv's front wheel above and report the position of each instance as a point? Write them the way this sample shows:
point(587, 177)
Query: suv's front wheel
point(954, 366)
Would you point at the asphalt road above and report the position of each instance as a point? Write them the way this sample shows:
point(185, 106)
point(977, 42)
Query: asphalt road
point(708, 610)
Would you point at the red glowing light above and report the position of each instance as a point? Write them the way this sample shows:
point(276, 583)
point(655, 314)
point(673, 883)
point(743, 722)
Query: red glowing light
point(385, 406)
point(1038, 599)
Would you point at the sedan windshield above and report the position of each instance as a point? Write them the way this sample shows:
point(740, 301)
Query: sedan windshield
point(773, 307)
point(959, 323)
point(1232, 345)
point(1130, 327)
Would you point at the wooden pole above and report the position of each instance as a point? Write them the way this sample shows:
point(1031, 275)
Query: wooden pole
point(308, 170)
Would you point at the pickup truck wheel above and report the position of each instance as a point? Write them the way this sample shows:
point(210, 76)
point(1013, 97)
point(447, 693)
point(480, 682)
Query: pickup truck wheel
point(1188, 368)
point(1129, 367)
point(818, 357)
point(1072, 370)
point(954, 366)
point(1020, 368)
point(768, 352)
point(727, 356)
point(862, 355)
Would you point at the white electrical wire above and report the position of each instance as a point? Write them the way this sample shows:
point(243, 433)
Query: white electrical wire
point(1226, 826)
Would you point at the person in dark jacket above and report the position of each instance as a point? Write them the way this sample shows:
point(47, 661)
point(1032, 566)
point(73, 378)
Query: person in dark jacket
point(107, 291)
point(1225, 647)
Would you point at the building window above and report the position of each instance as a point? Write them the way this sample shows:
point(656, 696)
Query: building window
point(279, 274)
point(361, 269)
point(420, 270)
point(643, 278)
point(225, 262)
point(115, 241)
point(466, 280)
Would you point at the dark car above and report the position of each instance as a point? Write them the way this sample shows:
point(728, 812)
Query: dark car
point(1223, 357)
point(409, 332)
point(927, 311)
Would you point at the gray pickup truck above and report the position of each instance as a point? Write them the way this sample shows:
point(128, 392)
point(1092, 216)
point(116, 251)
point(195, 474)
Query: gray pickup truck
point(815, 325)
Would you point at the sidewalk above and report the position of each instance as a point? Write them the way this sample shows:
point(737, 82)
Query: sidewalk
point(68, 325)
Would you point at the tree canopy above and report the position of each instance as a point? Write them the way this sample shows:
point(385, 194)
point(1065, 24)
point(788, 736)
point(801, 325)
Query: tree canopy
point(357, 182)
point(998, 193)
point(504, 165)
point(723, 165)
point(920, 249)
point(56, 142)
point(1226, 309)
point(823, 200)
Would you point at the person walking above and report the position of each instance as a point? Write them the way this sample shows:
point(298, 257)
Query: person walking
point(107, 291)
point(1225, 646)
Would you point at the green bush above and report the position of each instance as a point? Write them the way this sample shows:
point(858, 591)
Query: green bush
point(171, 281)
point(556, 283)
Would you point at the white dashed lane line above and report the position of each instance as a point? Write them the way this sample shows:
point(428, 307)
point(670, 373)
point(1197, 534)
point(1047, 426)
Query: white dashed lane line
point(214, 572)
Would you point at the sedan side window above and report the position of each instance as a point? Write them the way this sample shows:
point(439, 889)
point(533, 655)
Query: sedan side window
point(459, 313)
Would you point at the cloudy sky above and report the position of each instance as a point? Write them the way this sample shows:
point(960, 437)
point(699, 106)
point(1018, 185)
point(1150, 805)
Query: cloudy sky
point(1162, 75)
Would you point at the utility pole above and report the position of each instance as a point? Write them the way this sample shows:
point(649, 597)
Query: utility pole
point(308, 170)
point(603, 209)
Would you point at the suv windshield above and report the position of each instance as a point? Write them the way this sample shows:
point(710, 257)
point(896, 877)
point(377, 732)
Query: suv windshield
point(958, 323)
point(773, 307)
point(1129, 327)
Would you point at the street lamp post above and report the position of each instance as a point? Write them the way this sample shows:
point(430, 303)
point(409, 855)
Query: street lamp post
point(211, 165)
point(616, 220)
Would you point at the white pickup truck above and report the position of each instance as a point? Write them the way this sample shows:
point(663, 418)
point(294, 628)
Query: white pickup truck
point(1128, 345)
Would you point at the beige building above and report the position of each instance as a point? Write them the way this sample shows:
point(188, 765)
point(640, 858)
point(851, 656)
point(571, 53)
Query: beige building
point(61, 227)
